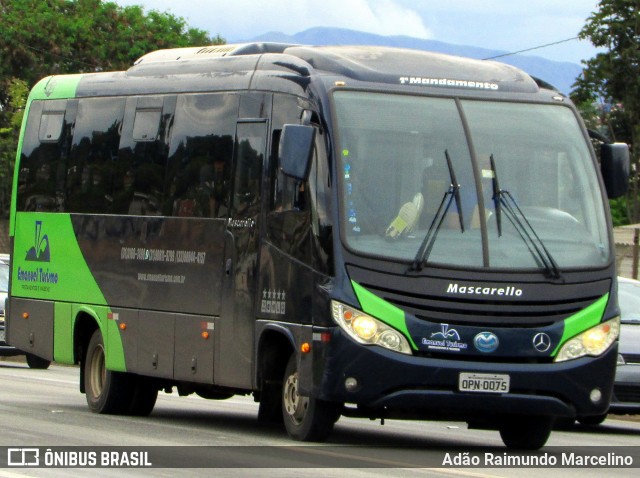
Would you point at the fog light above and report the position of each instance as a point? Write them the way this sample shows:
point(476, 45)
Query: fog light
point(595, 395)
point(351, 384)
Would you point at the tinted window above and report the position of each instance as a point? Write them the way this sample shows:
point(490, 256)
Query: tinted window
point(142, 159)
point(146, 155)
point(299, 221)
point(200, 156)
point(96, 137)
point(248, 169)
point(43, 164)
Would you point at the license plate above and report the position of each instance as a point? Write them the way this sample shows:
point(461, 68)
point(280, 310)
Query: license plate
point(483, 382)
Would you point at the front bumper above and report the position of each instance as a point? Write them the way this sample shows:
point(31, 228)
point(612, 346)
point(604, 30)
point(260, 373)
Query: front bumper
point(392, 384)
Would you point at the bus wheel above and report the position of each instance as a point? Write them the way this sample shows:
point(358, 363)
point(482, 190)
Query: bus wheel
point(145, 394)
point(270, 408)
point(306, 419)
point(106, 391)
point(525, 433)
point(33, 361)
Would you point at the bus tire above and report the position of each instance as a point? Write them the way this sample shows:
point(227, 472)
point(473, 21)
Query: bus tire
point(270, 408)
point(145, 394)
point(524, 432)
point(33, 361)
point(106, 391)
point(305, 418)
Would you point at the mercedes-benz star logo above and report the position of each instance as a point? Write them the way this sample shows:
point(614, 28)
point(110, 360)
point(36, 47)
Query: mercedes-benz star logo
point(542, 342)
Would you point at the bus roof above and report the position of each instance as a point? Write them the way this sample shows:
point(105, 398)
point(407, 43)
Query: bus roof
point(264, 66)
point(364, 63)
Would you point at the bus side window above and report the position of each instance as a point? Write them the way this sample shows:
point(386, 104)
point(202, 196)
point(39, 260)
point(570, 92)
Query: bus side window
point(142, 157)
point(248, 159)
point(289, 220)
point(95, 143)
point(43, 163)
point(200, 155)
point(286, 194)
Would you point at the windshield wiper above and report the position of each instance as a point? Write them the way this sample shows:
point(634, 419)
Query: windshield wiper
point(496, 195)
point(504, 200)
point(453, 193)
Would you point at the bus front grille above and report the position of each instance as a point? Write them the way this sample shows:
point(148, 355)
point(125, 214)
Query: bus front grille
point(537, 305)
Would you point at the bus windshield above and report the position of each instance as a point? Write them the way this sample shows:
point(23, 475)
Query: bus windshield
point(526, 193)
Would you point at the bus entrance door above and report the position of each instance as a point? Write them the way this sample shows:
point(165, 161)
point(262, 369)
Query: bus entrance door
point(236, 331)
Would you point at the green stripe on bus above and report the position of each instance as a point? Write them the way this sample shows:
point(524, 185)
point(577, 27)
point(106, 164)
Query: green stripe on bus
point(382, 310)
point(48, 265)
point(63, 333)
point(585, 319)
point(55, 88)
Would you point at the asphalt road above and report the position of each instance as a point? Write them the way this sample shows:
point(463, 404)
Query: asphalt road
point(43, 409)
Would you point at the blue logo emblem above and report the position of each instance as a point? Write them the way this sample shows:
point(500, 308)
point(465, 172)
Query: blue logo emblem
point(486, 342)
point(40, 250)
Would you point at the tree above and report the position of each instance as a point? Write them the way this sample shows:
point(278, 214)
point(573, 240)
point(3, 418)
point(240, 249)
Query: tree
point(613, 77)
point(41, 38)
point(14, 111)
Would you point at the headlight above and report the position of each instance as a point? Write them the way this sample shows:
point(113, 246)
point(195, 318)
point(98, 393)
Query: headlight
point(369, 331)
point(594, 341)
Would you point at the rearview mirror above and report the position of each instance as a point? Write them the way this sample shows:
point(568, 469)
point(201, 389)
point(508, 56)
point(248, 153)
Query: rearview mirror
point(614, 164)
point(296, 149)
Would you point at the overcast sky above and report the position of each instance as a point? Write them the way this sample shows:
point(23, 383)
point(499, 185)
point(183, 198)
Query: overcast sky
point(509, 25)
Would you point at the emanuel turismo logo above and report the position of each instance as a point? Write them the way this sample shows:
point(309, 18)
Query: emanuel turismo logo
point(445, 339)
point(446, 333)
point(40, 251)
point(33, 276)
point(486, 342)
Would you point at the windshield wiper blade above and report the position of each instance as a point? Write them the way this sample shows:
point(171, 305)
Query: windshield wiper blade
point(497, 203)
point(453, 193)
point(519, 220)
point(455, 186)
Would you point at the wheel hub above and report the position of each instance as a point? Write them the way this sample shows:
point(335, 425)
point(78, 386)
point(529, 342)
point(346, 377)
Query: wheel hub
point(294, 404)
point(97, 371)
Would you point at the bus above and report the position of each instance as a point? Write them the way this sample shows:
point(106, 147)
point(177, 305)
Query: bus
point(338, 231)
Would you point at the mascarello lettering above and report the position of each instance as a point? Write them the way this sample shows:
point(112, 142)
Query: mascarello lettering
point(507, 291)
